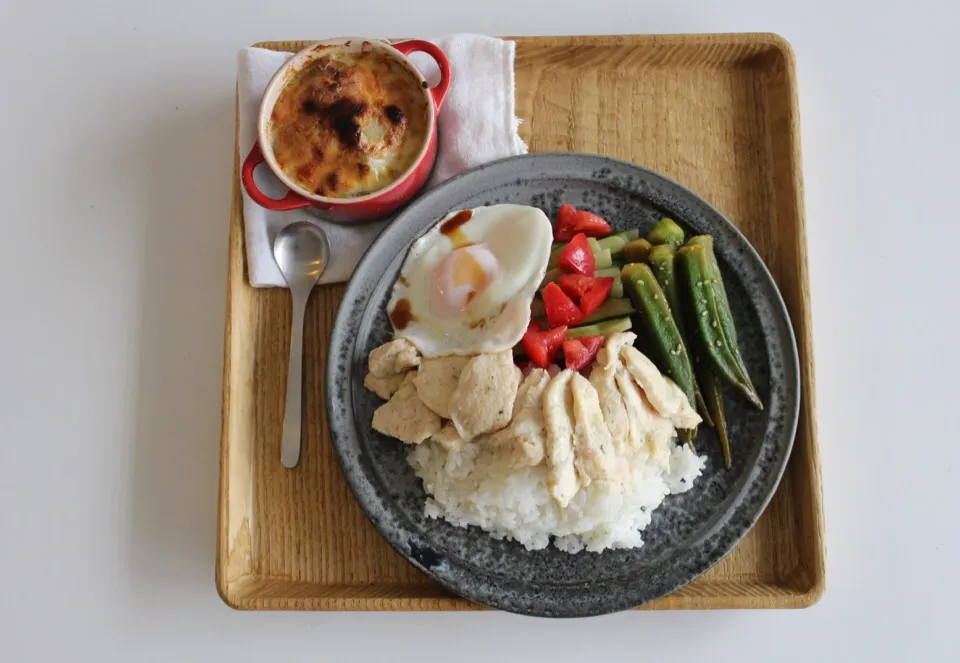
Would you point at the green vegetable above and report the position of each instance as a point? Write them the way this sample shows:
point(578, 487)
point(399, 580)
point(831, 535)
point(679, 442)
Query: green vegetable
point(604, 258)
point(605, 328)
point(661, 264)
point(614, 242)
point(661, 261)
point(670, 353)
point(666, 232)
point(616, 291)
point(714, 399)
point(711, 318)
point(723, 304)
point(611, 308)
point(550, 277)
point(617, 241)
point(636, 250)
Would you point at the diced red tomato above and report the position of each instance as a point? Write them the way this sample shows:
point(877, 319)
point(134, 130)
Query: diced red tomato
point(589, 291)
point(579, 352)
point(575, 284)
point(571, 221)
point(560, 309)
point(578, 257)
point(595, 295)
point(563, 230)
point(591, 225)
point(542, 346)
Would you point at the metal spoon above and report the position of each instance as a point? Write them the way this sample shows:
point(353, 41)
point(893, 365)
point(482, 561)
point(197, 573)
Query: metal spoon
point(302, 252)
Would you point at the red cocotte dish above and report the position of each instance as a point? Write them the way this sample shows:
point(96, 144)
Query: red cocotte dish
point(350, 128)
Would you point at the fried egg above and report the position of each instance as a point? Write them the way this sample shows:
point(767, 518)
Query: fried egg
point(467, 283)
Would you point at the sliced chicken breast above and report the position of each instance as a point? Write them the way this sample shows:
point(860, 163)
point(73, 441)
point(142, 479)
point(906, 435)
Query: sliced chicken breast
point(524, 439)
point(603, 379)
point(558, 421)
point(648, 430)
point(595, 457)
point(662, 392)
point(609, 355)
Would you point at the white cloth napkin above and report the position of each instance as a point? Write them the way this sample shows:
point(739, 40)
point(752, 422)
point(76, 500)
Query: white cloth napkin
point(477, 124)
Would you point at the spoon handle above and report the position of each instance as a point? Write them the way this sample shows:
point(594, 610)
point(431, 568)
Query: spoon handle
point(290, 446)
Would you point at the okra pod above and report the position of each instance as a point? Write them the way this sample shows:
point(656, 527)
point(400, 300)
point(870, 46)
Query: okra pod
point(724, 313)
point(670, 352)
point(636, 250)
point(705, 296)
point(714, 399)
point(661, 261)
point(666, 232)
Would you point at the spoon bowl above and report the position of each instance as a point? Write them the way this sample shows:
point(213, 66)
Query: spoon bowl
point(302, 252)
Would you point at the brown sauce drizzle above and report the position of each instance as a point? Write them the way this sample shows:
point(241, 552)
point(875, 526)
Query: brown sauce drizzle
point(402, 315)
point(452, 228)
point(453, 224)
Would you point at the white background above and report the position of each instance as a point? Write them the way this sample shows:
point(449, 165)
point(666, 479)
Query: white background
point(117, 123)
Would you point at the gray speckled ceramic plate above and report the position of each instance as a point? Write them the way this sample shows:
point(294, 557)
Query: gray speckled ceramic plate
point(689, 532)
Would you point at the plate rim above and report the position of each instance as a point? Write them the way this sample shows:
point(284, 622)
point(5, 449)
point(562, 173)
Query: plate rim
point(334, 369)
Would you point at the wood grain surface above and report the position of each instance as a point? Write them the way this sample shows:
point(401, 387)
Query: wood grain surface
point(718, 113)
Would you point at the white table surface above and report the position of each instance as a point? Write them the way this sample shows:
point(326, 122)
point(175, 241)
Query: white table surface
point(117, 143)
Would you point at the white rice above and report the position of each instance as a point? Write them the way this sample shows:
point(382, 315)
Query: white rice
point(477, 486)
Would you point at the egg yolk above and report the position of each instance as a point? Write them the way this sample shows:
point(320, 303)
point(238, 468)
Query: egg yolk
point(460, 278)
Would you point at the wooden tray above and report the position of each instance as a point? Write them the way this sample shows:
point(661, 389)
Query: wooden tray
point(717, 113)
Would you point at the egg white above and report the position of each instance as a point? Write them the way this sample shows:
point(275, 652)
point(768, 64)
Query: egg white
point(520, 237)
